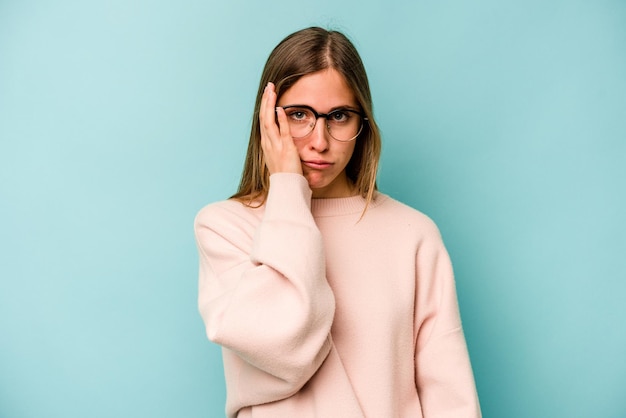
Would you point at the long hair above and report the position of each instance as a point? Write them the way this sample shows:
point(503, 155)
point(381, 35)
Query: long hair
point(301, 53)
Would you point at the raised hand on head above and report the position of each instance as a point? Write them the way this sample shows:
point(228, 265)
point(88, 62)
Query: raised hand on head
point(279, 150)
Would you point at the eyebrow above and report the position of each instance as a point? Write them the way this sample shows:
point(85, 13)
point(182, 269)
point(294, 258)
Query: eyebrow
point(332, 109)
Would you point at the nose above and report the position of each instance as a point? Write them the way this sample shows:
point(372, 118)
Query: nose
point(318, 139)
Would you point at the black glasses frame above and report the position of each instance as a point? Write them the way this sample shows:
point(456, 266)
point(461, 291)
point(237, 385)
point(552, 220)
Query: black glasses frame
point(325, 116)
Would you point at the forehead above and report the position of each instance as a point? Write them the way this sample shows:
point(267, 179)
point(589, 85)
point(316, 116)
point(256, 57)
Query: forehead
point(322, 90)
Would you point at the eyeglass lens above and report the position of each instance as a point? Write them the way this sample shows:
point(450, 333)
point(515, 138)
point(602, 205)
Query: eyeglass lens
point(342, 124)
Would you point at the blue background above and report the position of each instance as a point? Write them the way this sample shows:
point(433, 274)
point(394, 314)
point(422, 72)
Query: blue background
point(505, 121)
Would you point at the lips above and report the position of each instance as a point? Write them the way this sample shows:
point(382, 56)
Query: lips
point(317, 164)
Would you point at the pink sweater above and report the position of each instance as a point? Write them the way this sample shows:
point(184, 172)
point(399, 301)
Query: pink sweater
point(322, 315)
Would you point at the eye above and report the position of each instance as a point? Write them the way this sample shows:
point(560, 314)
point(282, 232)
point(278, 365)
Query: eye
point(339, 116)
point(298, 114)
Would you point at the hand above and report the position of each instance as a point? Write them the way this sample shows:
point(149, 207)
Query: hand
point(281, 154)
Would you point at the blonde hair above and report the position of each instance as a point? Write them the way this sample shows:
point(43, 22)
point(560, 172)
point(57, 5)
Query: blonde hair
point(305, 52)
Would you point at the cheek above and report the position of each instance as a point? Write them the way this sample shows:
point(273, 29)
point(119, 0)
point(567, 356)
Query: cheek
point(300, 145)
point(349, 151)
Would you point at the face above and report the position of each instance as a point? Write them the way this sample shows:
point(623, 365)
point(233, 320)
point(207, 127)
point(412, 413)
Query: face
point(323, 158)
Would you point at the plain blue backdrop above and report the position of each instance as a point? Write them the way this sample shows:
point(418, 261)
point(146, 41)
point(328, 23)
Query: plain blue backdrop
point(505, 121)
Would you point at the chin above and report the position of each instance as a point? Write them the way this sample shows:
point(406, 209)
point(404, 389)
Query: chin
point(317, 187)
point(315, 181)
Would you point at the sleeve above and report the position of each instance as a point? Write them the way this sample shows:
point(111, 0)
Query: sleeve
point(264, 297)
point(444, 377)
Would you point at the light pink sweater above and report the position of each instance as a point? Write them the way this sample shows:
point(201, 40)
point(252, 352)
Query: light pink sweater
point(322, 315)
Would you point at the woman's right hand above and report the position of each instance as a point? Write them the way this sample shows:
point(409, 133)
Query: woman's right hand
point(281, 154)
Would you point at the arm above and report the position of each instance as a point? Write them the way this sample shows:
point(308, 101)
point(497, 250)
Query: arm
point(263, 293)
point(444, 376)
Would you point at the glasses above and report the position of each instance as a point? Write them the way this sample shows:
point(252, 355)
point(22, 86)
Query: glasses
point(343, 125)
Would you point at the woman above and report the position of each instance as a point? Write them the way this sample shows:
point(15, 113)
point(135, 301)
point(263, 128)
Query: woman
point(329, 298)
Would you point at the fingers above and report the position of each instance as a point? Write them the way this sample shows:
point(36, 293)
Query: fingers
point(267, 120)
point(273, 119)
point(278, 147)
point(283, 124)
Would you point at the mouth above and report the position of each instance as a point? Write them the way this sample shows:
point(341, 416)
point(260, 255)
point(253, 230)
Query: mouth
point(317, 164)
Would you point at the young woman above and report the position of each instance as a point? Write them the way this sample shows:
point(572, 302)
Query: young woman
point(329, 298)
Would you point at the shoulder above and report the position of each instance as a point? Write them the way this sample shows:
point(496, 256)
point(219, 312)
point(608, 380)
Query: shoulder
point(404, 216)
point(226, 213)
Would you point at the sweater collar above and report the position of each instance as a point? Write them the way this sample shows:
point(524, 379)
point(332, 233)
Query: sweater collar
point(344, 205)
